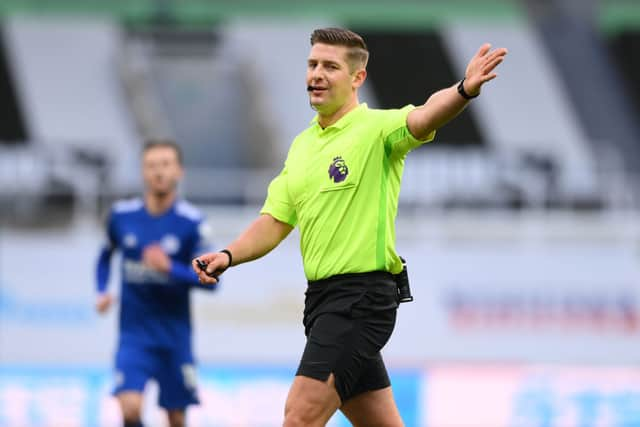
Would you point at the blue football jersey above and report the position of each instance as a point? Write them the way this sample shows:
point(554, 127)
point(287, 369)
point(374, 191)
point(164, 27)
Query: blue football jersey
point(154, 306)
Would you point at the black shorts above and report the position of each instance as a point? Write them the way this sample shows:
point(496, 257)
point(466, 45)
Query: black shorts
point(348, 319)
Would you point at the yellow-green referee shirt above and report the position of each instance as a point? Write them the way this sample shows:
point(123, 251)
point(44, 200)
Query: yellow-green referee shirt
point(341, 186)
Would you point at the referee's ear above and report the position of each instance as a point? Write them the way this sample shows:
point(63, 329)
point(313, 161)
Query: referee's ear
point(358, 78)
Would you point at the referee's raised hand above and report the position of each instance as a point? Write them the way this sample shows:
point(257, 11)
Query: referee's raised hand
point(209, 266)
point(481, 68)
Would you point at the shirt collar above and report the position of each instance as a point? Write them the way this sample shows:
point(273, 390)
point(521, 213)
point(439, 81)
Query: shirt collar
point(345, 120)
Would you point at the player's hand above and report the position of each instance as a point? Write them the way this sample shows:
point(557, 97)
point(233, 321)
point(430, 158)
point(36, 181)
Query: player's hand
point(217, 263)
point(103, 302)
point(481, 68)
point(155, 257)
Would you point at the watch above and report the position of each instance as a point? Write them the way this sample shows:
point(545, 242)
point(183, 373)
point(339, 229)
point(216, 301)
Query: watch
point(463, 93)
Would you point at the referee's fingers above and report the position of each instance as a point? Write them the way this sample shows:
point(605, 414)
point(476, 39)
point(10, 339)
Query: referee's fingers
point(203, 278)
point(204, 267)
point(194, 265)
point(207, 280)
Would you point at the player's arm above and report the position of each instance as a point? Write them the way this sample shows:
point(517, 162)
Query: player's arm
point(262, 235)
point(202, 242)
point(184, 275)
point(180, 274)
point(103, 269)
point(447, 103)
point(102, 272)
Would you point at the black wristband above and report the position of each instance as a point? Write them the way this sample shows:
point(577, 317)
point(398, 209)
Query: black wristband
point(463, 93)
point(228, 252)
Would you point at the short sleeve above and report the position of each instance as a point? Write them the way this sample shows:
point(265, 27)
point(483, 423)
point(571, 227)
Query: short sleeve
point(397, 137)
point(278, 204)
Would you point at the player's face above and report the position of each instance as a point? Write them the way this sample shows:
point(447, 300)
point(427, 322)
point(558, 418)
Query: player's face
point(330, 83)
point(161, 170)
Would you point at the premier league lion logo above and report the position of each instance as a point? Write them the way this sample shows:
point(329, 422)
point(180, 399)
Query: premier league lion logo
point(338, 170)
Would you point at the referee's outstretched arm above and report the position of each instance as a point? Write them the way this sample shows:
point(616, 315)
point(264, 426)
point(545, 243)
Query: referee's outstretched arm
point(262, 235)
point(447, 103)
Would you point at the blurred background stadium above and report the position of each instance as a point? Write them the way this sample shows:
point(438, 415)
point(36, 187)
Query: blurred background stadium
point(521, 224)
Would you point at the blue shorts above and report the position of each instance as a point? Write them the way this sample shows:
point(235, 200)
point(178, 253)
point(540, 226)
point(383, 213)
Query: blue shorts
point(173, 369)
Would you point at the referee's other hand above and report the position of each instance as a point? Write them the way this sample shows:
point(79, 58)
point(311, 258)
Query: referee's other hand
point(216, 263)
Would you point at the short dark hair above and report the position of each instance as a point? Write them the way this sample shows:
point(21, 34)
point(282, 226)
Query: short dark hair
point(154, 143)
point(357, 52)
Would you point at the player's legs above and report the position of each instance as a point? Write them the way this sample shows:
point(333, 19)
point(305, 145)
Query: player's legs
point(133, 366)
point(310, 402)
point(176, 417)
point(131, 407)
point(176, 376)
point(375, 408)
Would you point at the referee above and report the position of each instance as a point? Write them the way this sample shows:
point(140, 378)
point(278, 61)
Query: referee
point(340, 184)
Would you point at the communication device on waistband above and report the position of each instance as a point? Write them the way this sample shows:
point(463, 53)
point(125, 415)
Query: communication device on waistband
point(402, 282)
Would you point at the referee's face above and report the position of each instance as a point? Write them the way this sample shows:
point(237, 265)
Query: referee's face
point(161, 170)
point(330, 82)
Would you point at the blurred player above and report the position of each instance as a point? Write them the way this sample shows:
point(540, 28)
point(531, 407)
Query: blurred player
point(157, 236)
point(340, 184)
